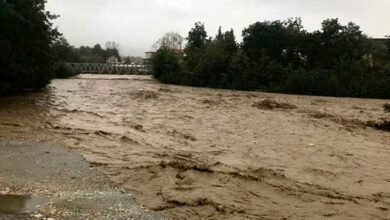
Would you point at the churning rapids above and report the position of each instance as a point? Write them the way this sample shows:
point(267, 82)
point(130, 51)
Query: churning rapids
point(197, 153)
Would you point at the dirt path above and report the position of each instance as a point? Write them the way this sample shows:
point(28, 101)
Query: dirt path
point(193, 153)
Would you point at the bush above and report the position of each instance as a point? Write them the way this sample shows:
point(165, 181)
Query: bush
point(302, 81)
point(166, 67)
point(61, 72)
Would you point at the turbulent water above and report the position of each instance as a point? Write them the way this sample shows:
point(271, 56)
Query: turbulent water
point(197, 153)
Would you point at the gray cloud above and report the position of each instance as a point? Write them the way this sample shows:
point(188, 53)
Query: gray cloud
point(137, 24)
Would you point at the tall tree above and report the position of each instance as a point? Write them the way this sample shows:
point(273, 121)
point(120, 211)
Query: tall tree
point(388, 46)
point(196, 43)
point(274, 39)
point(219, 35)
point(230, 42)
point(112, 50)
point(26, 37)
point(63, 52)
point(170, 40)
point(337, 46)
point(197, 38)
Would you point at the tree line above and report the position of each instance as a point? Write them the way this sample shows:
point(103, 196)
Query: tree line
point(26, 37)
point(281, 56)
point(33, 51)
point(64, 52)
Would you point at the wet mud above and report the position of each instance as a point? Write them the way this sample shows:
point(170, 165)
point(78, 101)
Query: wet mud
point(14, 204)
point(198, 153)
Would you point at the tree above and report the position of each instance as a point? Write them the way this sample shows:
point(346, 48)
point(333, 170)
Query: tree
point(170, 40)
point(213, 66)
point(112, 45)
point(165, 65)
point(336, 46)
point(279, 40)
point(196, 43)
point(112, 50)
point(26, 37)
point(197, 38)
point(219, 35)
point(280, 56)
point(388, 46)
point(99, 53)
point(229, 41)
point(63, 52)
point(127, 60)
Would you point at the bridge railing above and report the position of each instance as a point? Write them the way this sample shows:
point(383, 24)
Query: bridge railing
point(108, 68)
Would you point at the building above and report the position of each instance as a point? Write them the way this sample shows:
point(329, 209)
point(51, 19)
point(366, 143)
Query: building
point(149, 55)
point(112, 59)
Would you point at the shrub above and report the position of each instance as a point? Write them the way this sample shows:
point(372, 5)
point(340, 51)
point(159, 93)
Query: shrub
point(61, 72)
point(165, 66)
point(302, 81)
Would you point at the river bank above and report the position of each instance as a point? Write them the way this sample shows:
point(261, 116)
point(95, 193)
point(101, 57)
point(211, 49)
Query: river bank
point(191, 153)
point(48, 182)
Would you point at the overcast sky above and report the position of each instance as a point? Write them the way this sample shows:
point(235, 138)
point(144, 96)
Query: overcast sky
point(137, 24)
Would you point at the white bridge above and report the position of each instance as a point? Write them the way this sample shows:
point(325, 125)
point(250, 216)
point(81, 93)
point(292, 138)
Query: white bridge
point(108, 68)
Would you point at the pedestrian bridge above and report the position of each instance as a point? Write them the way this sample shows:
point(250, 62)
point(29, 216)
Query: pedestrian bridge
point(108, 68)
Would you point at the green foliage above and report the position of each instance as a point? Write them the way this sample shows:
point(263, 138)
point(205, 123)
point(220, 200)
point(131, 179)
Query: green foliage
point(278, 40)
point(388, 47)
point(95, 54)
point(196, 42)
point(63, 52)
point(61, 72)
point(212, 67)
point(280, 56)
point(26, 36)
point(197, 38)
point(335, 46)
point(165, 66)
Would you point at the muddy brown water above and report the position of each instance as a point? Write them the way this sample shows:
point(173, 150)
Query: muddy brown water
point(198, 153)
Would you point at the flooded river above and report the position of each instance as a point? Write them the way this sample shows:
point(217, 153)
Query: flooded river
point(197, 153)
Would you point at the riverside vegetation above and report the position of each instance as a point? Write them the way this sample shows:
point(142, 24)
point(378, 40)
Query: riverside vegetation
point(33, 51)
point(280, 56)
point(276, 56)
point(26, 39)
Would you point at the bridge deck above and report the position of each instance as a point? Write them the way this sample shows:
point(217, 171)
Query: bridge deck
point(108, 68)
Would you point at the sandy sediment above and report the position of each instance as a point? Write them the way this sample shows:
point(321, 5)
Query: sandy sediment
point(192, 153)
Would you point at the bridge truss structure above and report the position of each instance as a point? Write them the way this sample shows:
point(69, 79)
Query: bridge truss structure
point(108, 68)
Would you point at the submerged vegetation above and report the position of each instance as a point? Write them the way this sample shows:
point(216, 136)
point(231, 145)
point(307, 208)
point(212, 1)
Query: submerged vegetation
point(280, 56)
